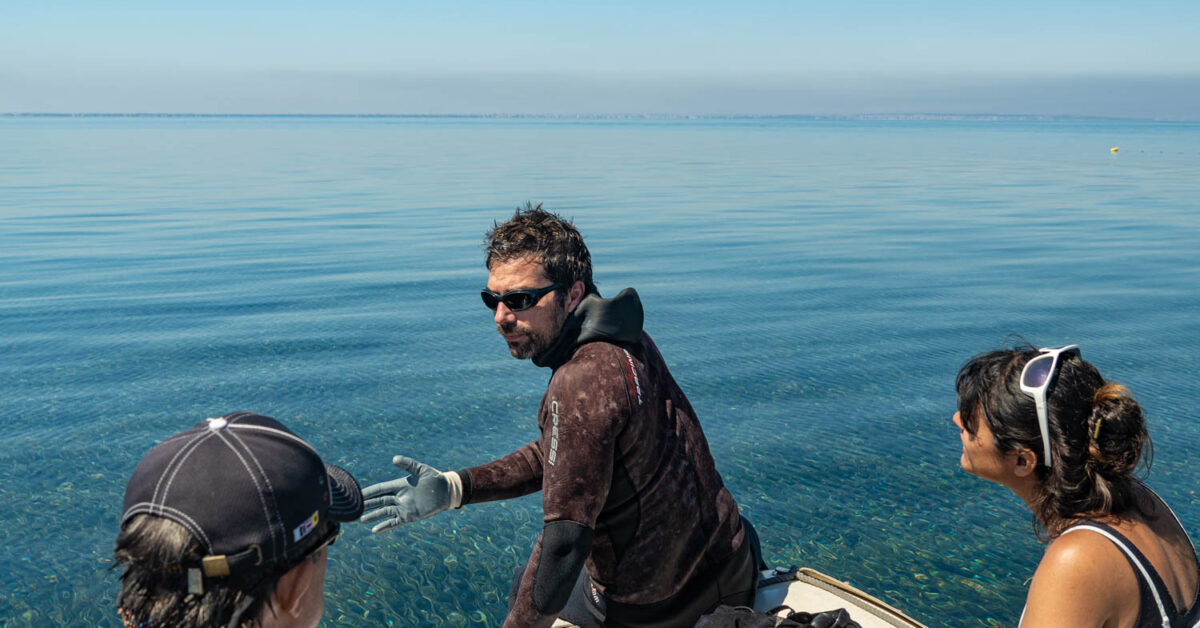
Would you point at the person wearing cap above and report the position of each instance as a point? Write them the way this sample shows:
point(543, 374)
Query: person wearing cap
point(639, 529)
point(227, 524)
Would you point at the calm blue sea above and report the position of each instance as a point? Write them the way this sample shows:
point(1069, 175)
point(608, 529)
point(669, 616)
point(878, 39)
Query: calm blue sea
point(813, 284)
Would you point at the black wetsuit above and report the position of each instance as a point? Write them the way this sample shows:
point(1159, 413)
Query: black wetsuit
point(629, 487)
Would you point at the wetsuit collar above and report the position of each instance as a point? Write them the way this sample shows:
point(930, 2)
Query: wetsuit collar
point(618, 319)
point(561, 349)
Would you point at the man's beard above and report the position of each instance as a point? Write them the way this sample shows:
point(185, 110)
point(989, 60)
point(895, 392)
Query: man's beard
point(534, 344)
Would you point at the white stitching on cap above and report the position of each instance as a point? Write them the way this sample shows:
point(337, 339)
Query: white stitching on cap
point(300, 441)
point(261, 497)
point(178, 465)
point(277, 432)
point(329, 482)
point(184, 451)
point(266, 478)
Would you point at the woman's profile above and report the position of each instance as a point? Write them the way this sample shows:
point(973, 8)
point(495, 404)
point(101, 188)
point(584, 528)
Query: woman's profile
point(1046, 424)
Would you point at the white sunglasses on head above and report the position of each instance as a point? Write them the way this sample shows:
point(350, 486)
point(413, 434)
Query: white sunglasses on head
point(1036, 378)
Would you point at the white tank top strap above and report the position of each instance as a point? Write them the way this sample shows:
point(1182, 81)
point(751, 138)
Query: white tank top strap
point(1134, 560)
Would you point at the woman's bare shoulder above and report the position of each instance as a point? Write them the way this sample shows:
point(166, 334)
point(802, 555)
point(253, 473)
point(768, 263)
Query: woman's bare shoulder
point(1082, 580)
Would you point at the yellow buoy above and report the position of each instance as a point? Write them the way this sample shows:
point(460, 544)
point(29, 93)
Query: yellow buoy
point(1114, 149)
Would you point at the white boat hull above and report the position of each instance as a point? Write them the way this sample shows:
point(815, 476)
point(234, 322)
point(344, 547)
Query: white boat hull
point(813, 592)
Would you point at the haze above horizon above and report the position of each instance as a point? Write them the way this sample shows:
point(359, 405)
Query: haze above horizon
point(775, 57)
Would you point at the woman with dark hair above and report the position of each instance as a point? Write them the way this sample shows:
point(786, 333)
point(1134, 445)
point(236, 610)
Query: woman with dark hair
point(1045, 424)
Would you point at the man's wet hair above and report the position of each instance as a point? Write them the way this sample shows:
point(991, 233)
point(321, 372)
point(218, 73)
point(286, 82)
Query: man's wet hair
point(544, 236)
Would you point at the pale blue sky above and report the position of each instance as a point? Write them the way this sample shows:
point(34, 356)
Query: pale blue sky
point(776, 57)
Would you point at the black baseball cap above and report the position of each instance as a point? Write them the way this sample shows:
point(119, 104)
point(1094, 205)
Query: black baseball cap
point(250, 491)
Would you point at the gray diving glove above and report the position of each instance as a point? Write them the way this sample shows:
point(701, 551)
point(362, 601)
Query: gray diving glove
point(423, 493)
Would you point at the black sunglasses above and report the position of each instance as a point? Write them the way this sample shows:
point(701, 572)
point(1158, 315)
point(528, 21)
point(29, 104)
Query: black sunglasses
point(516, 300)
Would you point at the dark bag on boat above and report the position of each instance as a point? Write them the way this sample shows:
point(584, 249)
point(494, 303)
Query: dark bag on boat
point(743, 617)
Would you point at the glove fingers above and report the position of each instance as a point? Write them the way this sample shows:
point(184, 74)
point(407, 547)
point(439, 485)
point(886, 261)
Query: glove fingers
point(414, 467)
point(385, 488)
point(382, 527)
point(376, 515)
point(391, 516)
point(382, 501)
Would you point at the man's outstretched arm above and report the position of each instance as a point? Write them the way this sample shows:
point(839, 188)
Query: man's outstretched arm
point(514, 475)
point(425, 491)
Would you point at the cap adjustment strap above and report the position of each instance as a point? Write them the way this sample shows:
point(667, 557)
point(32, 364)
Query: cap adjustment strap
point(215, 566)
point(221, 565)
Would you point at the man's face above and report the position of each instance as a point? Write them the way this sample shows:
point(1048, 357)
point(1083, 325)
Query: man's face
point(529, 332)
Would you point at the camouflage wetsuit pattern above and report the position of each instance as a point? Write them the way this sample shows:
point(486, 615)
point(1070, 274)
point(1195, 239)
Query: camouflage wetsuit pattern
point(628, 484)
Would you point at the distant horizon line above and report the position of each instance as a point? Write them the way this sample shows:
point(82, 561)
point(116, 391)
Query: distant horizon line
point(898, 116)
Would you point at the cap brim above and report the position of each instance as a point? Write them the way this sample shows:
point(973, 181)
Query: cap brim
point(347, 500)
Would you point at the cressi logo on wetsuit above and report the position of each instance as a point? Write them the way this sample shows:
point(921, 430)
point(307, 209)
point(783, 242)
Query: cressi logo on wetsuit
point(553, 455)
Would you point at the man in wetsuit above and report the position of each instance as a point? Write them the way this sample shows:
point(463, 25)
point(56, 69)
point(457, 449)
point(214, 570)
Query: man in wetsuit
point(629, 488)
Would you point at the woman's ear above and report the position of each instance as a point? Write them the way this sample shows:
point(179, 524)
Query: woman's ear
point(1024, 461)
